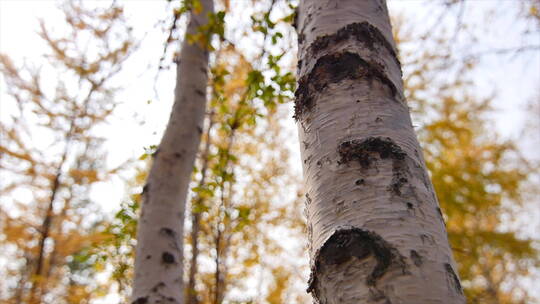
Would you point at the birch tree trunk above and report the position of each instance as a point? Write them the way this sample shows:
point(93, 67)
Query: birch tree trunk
point(159, 252)
point(375, 230)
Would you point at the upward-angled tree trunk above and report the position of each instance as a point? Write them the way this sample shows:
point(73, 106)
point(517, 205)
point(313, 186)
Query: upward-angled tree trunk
point(158, 263)
point(376, 232)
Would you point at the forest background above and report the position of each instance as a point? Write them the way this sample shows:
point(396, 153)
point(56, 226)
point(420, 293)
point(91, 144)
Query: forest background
point(471, 70)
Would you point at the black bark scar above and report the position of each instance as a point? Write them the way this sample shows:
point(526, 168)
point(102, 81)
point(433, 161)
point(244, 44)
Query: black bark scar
point(362, 32)
point(453, 278)
point(335, 68)
point(168, 258)
point(357, 243)
point(158, 286)
point(168, 232)
point(200, 92)
point(361, 150)
point(366, 151)
point(140, 300)
point(146, 188)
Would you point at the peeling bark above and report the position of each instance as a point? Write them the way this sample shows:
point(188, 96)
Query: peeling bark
point(374, 229)
point(159, 252)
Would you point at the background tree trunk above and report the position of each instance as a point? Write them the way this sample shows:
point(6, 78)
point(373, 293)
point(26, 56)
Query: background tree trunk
point(375, 229)
point(191, 292)
point(159, 252)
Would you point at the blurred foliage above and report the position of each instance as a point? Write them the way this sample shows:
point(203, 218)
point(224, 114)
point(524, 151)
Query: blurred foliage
point(242, 190)
point(237, 206)
point(51, 157)
point(247, 194)
point(480, 179)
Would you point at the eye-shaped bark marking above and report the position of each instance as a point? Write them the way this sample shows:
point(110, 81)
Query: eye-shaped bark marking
point(168, 258)
point(335, 68)
point(365, 152)
point(346, 244)
point(360, 150)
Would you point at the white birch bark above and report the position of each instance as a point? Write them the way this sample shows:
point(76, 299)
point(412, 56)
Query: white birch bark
point(376, 233)
point(159, 252)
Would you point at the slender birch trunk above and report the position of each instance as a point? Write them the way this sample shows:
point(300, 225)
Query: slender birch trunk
point(376, 232)
point(159, 252)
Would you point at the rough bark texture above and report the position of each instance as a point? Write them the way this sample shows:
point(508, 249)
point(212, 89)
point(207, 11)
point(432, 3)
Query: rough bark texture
point(374, 225)
point(158, 263)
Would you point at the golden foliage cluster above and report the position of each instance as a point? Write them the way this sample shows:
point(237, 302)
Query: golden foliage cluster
point(481, 179)
point(51, 157)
